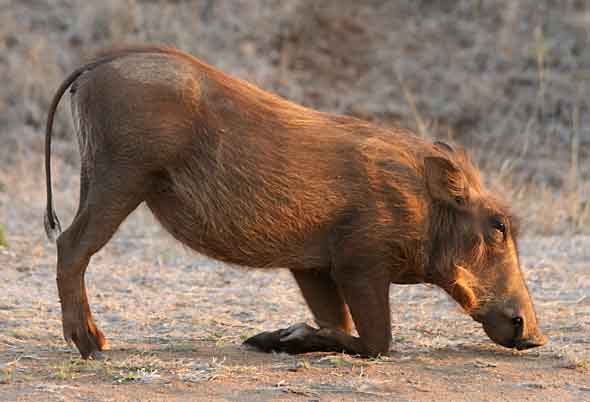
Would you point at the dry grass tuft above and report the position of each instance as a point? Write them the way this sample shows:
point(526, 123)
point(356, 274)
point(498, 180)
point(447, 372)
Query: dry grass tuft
point(578, 363)
point(3, 241)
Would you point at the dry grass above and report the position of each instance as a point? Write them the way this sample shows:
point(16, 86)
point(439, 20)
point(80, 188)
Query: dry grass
point(3, 242)
point(506, 79)
point(179, 320)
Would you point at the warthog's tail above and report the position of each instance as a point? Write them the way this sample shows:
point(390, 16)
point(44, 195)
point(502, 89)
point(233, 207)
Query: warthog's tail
point(52, 225)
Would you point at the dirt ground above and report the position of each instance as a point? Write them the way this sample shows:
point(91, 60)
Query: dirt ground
point(509, 80)
point(175, 322)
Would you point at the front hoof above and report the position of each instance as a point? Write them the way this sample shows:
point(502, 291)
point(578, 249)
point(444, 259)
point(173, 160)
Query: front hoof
point(293, 340)
point(297, 333)
point(265, 341)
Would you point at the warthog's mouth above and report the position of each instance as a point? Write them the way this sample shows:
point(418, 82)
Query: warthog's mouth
point(535, 342)
point(522, 344)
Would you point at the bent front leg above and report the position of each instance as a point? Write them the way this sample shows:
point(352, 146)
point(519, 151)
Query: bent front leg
point(329, 310)
point(366, 291)
point(324, 299)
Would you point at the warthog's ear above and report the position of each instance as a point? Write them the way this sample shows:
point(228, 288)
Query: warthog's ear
point(443, 146)
point(445, 182)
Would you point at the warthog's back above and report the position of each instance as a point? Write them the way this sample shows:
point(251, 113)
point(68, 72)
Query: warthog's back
point(238, 174)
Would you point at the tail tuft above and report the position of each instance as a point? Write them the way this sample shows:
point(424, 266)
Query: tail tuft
point(52, 227)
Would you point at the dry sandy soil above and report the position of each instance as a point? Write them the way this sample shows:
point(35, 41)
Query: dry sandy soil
point(510, 80)
point(176, 322)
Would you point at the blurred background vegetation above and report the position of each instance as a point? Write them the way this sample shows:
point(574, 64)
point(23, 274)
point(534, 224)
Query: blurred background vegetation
point(510, 80)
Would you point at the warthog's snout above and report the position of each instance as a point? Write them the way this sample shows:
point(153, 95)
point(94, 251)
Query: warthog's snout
point(512, 331)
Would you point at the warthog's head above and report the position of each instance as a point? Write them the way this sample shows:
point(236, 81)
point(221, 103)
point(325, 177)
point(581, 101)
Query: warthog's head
point(474, 255)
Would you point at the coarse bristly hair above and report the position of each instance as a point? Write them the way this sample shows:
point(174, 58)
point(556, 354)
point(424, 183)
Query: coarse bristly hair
point(462, 252)
point(266, 180)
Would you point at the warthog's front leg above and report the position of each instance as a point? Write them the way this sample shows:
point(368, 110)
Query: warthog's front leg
point(367, 295)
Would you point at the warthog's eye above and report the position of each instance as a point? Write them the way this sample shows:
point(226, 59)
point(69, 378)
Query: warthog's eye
point(497, 224)
point(460, 201)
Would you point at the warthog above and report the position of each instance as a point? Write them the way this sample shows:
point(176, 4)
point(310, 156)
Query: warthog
point(251, 179)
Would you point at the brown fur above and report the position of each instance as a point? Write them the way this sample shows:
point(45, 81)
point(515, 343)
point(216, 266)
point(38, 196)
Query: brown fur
point(251, 179)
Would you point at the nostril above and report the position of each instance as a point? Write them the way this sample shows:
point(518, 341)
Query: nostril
point(518, 325)
point(517, 322)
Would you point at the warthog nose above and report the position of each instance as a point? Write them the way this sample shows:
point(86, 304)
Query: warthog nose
point(533, 342)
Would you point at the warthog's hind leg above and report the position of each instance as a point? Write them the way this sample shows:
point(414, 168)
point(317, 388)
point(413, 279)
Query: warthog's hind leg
point(105, 203)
